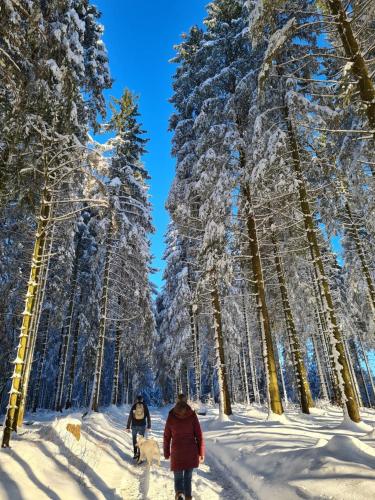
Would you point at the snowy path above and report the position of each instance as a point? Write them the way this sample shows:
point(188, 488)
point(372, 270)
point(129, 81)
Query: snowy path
point(208, 481)
point(248, 457)
point(46, 462)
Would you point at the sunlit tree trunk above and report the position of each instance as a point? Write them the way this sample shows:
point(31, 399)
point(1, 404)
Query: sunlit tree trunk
point(40, 298)
point(34, 327)
point(268, 348)
point(25, 343)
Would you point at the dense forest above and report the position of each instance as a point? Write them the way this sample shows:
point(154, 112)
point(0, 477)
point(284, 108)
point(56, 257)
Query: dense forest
point(75, 218)
point(269, 284)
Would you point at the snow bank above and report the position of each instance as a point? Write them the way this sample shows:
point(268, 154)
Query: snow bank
point(371, 434)
point(349, 425)
point(349, 448)
point(281, 419)
point(292, 457)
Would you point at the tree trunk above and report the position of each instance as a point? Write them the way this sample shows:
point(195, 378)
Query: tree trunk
point(232, 392)
point(359, 68)
point(252, 360)
point(321, 322)
point(125, 396)
point(54, 396)
point(323, 383)
point(268, 349)
point(352, 230)
point(41, 299)
point(73, 362)
point(36, 395)
point(198, 360)
point(187, 374)
point(130, 388)
point(250, 352)
point(342, 369)
point(225, 404)
point(353, 374)
point(354, 349)
point(297, 358)
point(34, 327)
point(286, 401)
point(246, 381)
point(67, 331)
point(25, 342)
point(116, 370)
point(102, 327)
point(213, 383)
point(371, 378)
point(195, 350)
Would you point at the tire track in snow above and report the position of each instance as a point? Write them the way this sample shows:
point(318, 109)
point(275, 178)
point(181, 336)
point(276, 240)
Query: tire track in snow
point(232, 484)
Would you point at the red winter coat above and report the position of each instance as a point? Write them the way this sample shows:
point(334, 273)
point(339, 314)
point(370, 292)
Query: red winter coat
point(184, 430)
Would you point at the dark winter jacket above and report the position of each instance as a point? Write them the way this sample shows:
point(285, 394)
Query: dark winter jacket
point(183, 429)
point(133, 422)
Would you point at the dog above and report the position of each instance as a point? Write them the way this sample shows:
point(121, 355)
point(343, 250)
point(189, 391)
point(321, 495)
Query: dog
point(149, 450)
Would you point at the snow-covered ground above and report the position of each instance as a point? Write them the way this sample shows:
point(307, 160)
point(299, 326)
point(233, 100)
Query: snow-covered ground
point(297, 456)
point(248, 457)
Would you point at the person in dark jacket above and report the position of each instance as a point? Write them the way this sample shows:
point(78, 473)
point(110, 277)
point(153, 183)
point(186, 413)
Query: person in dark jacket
point(138, 415)
point(187, 450)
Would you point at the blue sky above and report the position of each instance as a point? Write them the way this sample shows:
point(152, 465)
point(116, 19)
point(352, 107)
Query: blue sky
point(140, 36)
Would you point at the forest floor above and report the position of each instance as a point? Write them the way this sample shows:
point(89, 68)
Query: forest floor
point(248, 457)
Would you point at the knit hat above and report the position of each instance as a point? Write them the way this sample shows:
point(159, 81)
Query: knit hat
point(181, 398)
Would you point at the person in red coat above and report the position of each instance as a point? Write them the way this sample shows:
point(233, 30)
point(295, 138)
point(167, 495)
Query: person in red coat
point(187, 450)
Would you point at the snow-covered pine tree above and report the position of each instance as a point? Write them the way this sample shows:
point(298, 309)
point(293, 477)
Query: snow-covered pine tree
point(173, 314)
point(127, 259)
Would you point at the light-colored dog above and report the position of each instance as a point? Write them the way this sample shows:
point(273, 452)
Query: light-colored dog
point(149, 450)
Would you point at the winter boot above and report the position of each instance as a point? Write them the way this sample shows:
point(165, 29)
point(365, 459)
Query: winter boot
point(136, 453)
point(188, 498)
point(180, 496)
